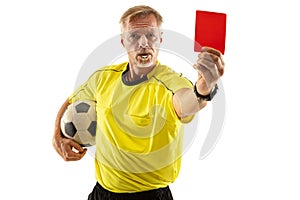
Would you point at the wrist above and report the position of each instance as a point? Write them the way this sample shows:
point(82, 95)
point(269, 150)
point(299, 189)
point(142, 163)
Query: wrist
point(206, 96)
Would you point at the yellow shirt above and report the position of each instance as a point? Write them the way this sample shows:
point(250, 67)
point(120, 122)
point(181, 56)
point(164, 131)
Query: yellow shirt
point(139, 136)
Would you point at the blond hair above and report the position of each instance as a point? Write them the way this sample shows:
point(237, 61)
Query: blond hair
point(138, 11)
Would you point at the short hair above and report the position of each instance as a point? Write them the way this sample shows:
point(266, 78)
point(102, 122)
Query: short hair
point(138, 11)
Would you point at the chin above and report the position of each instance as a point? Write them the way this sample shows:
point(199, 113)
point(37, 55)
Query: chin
point(145, 64)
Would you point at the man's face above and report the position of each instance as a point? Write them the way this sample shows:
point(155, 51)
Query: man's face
point(141, 38)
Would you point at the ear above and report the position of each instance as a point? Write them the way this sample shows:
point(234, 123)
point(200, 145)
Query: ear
point(122, 42)
point(161, 37)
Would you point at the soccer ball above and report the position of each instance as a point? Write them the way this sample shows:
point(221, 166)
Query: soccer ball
point(79, 122)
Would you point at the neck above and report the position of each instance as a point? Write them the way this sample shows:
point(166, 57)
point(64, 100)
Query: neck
point(136, 73)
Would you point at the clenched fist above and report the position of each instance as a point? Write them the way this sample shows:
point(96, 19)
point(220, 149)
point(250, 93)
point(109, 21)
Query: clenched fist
point(210, 67)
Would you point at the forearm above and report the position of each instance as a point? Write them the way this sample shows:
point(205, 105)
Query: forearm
point(57, 131)
point(186, 103)
point(64, 146)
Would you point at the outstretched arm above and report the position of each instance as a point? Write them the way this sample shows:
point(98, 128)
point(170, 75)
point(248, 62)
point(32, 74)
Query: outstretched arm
point(68, 149)
point(210, 67)
point(186, 103)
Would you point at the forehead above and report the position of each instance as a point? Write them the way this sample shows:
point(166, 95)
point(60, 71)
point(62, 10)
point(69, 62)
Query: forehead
point(141, 21)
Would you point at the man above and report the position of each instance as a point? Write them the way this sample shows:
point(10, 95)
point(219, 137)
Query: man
point(141, 107)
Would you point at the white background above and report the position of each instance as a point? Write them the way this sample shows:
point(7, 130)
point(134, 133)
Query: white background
point(44, 43)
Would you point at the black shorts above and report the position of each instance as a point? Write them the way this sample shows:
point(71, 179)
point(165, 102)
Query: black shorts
point(99, 193)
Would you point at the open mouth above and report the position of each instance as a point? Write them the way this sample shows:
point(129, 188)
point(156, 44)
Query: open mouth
point(144, 56)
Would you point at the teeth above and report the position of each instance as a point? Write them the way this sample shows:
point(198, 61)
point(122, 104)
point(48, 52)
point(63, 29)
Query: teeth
point(144, 56)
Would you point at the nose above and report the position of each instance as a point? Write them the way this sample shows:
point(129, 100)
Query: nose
point(143, 42)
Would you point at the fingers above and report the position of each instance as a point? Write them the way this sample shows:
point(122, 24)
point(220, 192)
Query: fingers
point(214, 52)
point(213, 56)
point(208, 71)
point(72, 151)
point(206, 76)
point(210, 66)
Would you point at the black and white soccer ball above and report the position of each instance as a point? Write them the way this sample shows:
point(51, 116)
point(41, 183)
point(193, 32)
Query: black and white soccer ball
point(79, 122)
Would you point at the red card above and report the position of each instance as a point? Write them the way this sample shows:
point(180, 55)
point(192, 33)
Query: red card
point(210, 30)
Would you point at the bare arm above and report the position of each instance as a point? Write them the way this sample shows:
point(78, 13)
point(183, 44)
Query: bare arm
point(210, 67)
point(186, 103)
point(64, 146)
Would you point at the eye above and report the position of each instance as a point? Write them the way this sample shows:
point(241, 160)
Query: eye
point(150, 36)
point(133, 36)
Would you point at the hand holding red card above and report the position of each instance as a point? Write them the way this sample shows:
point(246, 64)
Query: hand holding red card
point(210, 30)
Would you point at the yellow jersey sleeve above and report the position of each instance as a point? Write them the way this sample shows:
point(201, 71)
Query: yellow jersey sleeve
point(88, 90)
point(173, 81)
